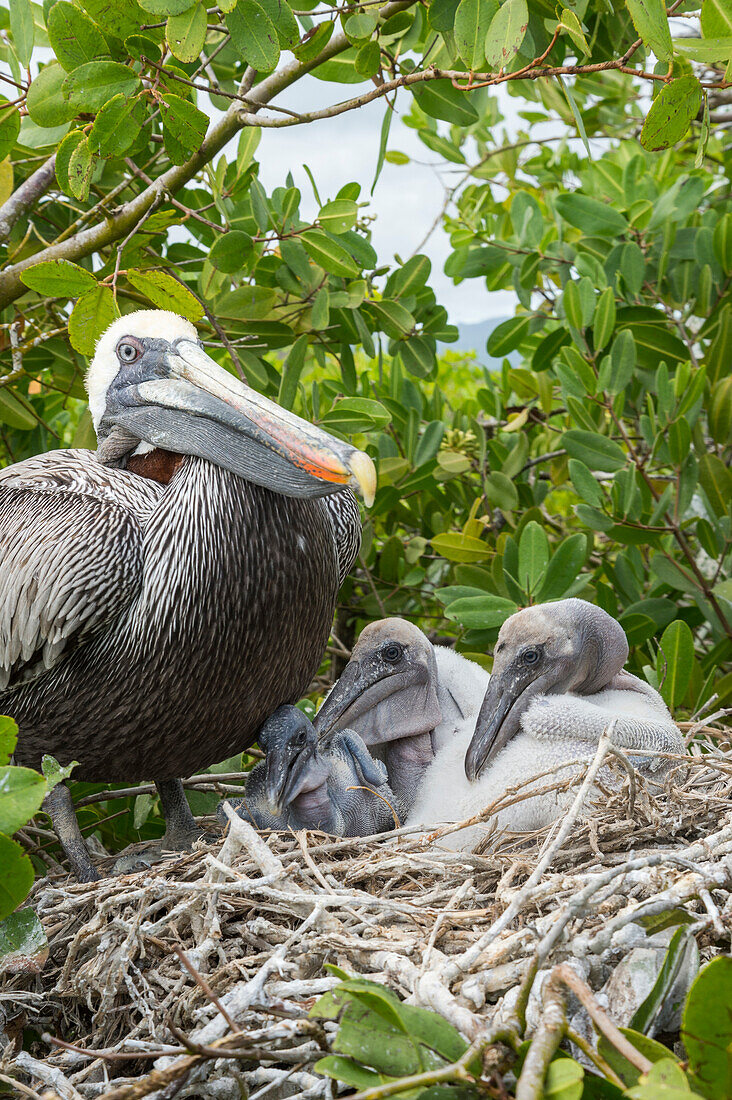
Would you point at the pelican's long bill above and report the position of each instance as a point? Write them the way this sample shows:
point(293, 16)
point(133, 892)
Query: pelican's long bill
point(292, 766)
point(191, 405)
point(498, 721)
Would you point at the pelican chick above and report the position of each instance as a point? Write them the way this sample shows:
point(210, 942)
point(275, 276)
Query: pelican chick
point(406, 699)
point(339, 789)
point(557, 683)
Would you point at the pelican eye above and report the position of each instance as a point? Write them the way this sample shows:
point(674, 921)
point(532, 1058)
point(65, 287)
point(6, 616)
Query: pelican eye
point(392, 653)
point(530, 656)
point(301, 738)
point(127, 352)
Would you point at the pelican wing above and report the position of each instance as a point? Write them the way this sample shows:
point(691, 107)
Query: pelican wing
point(71, 556)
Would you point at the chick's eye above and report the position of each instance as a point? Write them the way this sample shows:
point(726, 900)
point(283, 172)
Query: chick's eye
point(300, 739)
point(531, 656)
point(127, 352)
point(392, 653)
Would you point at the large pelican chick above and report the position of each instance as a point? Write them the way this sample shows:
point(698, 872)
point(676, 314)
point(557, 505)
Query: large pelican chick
point(406, 699)
point(161, 597)
point(338, 788)
point(557, 683)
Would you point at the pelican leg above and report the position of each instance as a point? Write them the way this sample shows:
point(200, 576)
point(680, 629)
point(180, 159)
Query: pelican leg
point(60, 808)
point(180, 825)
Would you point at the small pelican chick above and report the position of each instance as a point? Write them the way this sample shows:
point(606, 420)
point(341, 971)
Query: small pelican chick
point(406, 699)
point(300, 784)
point(557, 682)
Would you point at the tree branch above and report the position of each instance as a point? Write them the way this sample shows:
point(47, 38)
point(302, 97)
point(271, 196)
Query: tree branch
point(118, 225)
point(26, 196)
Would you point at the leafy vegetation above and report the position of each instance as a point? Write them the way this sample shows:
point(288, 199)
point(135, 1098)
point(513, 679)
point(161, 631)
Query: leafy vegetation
point(384, 1047)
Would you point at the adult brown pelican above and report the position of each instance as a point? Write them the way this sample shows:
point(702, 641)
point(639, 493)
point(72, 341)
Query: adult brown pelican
point(160, 598)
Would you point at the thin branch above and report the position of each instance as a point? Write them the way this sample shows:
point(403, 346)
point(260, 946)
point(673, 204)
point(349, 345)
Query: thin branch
point(26, 196)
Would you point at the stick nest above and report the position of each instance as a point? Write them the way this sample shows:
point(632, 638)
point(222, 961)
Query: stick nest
point(195, 977)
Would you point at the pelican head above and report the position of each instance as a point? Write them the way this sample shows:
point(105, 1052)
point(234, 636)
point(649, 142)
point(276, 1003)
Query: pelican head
point(151, 382)
point(553, 648)
point(293, 765)
point(388, 689)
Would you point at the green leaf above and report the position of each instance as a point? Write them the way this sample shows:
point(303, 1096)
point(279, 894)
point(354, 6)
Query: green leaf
point(564, 567)
point(604, 323)
point(383, 141)
point(652, 1050)
point(671, 113)
point(314, 42)
point(254, 35)
point(8, 738)
point(392, 318)
point(569, 22)
point(22, 29)
point(120, 18)
point(594, 218)
point(184, 127)
point(564, 1080)
point(617, 369)
point(23, 943)
point(165, 292)
point(80, 169)
point(329, 253)
point(707, 1030)
point(348, 1071)
point(501, 491)
point(9, 129)
point(91, 316)
point(472, 21)
point(596, 451)
point(356, 414)
point(533, 556)
point(716, 481)
point(706, 51)
point(585, 484)
point(53, 772)
point(507, 336)
point(63, 158)
point(91, 85)
point(675, 659)
point(479, 612)
point(230, 251)
point(439, 99)
point(506, 33)
point(441, 15)
point(21, 793)
point(74, 37)
point(650, 20)
point(368, 62)
point(284, 22)
point(165, 7)
point(116, 127)
point(15, 413)
point(58, 279)
point(46, 105)
point(291, 372)
point(418, 356)
point(456, 546)
point(16, 876)
point(338, 216)
point(682, 944)
point(186, 33)
point(360, 26)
